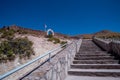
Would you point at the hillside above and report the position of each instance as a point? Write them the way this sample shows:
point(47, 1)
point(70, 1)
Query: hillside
point(22, 30)
point(19, 45)
point(11, 36)
point(105, 34)
point(101, 34)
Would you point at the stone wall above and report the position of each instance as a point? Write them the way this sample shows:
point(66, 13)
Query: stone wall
point(115, 48)
point(58, 66)
point(103, 44)
point(112, 47)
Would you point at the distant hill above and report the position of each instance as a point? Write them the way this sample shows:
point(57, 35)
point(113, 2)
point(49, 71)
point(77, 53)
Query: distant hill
point(85, 36)
point(107, 34)
point(101, 34)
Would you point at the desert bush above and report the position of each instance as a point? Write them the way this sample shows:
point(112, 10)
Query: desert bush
point(20, 46)
point(56, 40)
point(22, 32)
point(50, 39)
point(49, 36)
point(63, 42)
point(8, 34)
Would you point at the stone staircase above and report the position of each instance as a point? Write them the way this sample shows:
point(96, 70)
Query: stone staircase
point(92, 61)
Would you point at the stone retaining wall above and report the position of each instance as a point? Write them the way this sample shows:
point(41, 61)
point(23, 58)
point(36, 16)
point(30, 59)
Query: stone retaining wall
point(103, 44)
point(115, 48)
point(110, 46)
point(58, 66)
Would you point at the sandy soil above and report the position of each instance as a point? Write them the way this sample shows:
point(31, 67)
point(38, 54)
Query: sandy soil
point(40, 46)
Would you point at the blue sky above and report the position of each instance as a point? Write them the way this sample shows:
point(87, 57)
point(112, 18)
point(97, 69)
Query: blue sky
point(64, 16)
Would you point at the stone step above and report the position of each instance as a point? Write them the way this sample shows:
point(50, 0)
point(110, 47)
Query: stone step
point(94, 58)
point(95, 62)
point(90, 46)
point(87, 42)
point(95, 66)
point(87, 49)
point(79, 55)
point(73, 77)
point(92, 61)
point(95, 72)
point(97, 52)
point(94, 54)
point(91, 53)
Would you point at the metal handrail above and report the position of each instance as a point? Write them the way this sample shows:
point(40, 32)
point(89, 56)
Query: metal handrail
point(30, 62)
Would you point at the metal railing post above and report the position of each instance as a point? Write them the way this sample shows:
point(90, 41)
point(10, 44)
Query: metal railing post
point(49, 57)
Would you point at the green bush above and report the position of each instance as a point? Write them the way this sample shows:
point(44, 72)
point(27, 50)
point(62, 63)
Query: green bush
point(63, 42)
point(49, 36)
point(51, 39)
point(22, 32)
point(56, 40)
point(8, 34)
point(20, 46)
